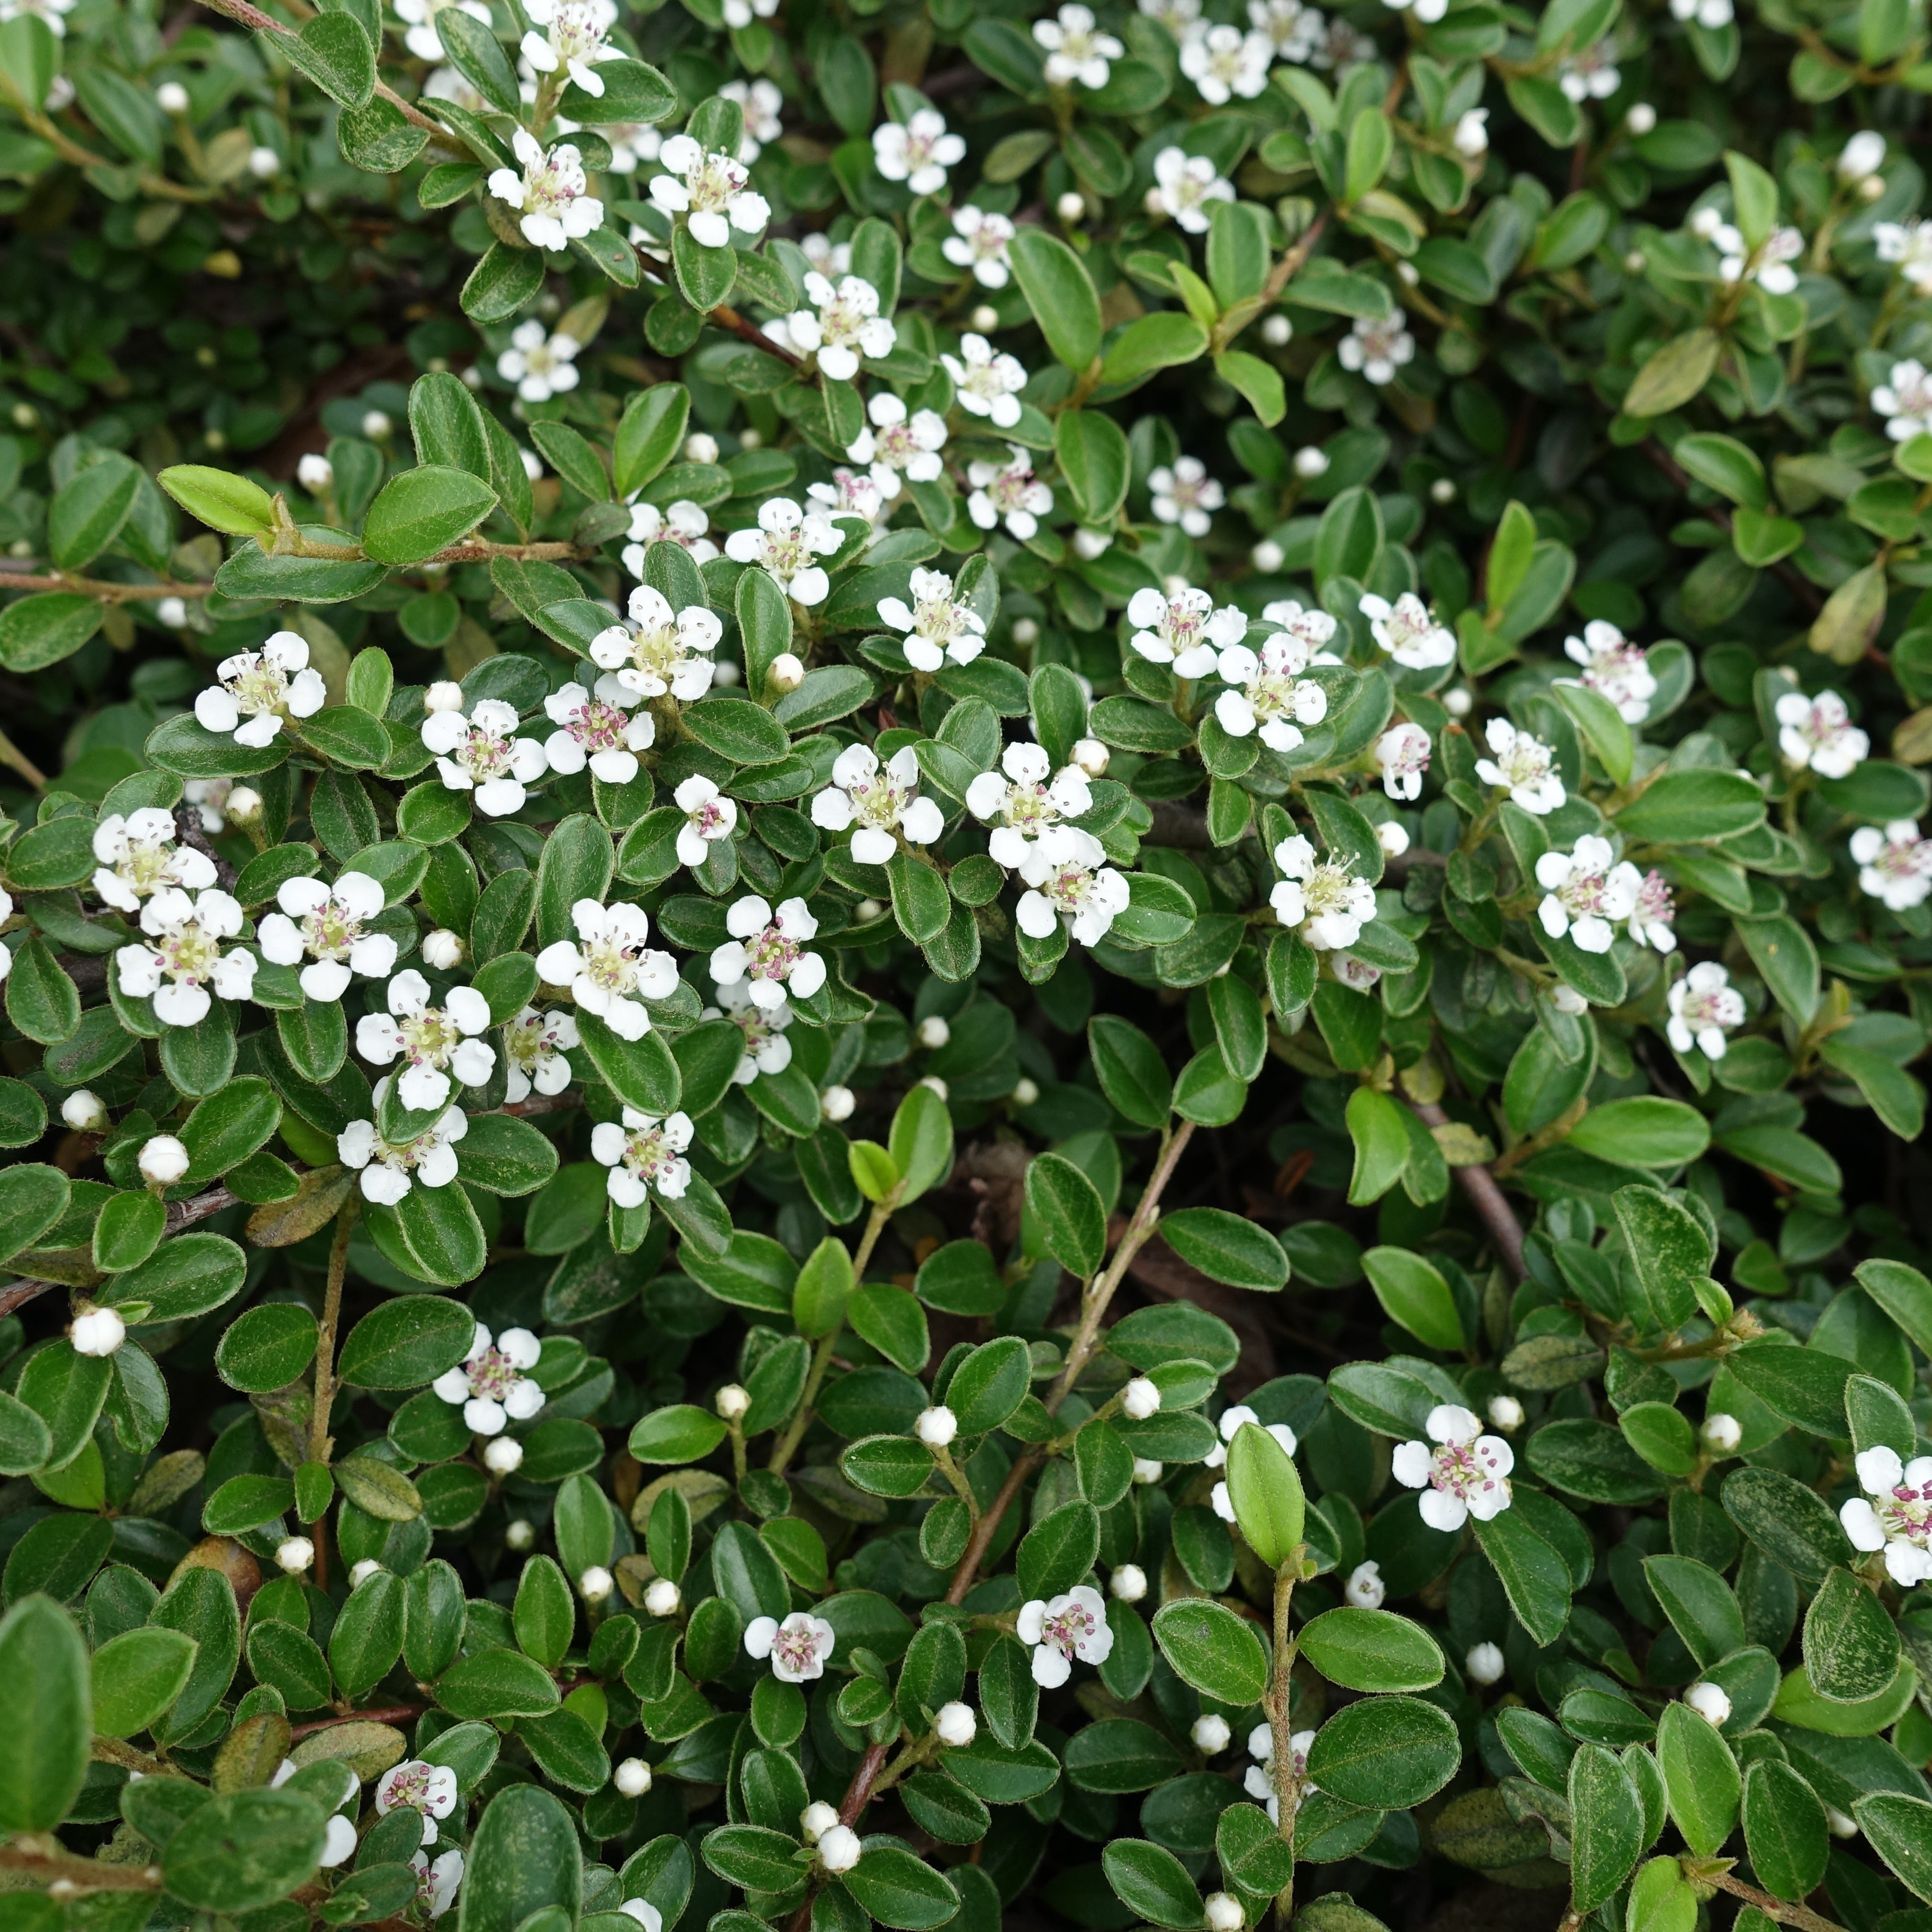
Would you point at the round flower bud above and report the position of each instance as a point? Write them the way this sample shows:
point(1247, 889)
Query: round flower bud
point(724, 672)
point(502, 1455)
point(839, 1848)
point(442, 950)
point(596, 1583)
point(867, 910)
point(1840, 1826)
point(836, 1103)
point(1070, 206)
point(1567, 1000)
point(24, 417)
point(1267, 557)
point(731, 1402)
point(632, 1777)
point(1225, 1913)
point(699, 447)
point(1505, 1412)
point(362, 1572)
point(1140, 1399)
point(1722, 1434)
point(521, 1535)
point(1710, 1703)
point(937, 1085)
point(1635, 262)
point(83, 1111)
point(1365, 1589)
point(1393, 837)
point(1024, 630)
point(787, 672)
point(1088, 544)
point(244, 805)
point(1128, 1584)
point(1091, 756)
point(985, 319)
point(956, 1725)
point(376, 425)
point(1483, 1664)
point(1705, 222)
point(934, 1032)
point(750, 438)
point(1277, 331)
point(295, 1554)
point(816, 1820)
point(171, 613)
point(937, 1427)
point(171, 98)
point(264, 163)
point(446, 695)
point(1442, 491)
point(1410, 275)
point(1210, 1735)
point(1458, 701)
point(97, 1331)
point(1146, 1470)
point(1025, 1092)
point(1641, 119)
point(1872, 188)
point(662, 1597)
point(1310, 462)
point(163, 1160)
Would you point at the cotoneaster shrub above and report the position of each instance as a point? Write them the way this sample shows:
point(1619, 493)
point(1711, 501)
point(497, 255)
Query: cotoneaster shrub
point(960, 963)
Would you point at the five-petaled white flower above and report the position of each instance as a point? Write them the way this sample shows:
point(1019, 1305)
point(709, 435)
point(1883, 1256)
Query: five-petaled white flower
point(987, 383)
point(1222, 62)
point(1185, 495)
point(798, 1647)
point(489, 1383)
point(709, 816)
point(603, 731)
point(683, 523)
point(899, 442)
point(1323, 897)
point(1898, 1517)
point(1274, 698)
point(432, 1041)
point(327, 923)
point(1895, 865)
point(979, 241)
point(670, 652)
point(541, 364)
point(136, 856)
point(766, 1049)
point(1075, 49)
point(842, 327)
point(574, 40)
point(437, 1884)
point(1466, 1474)
point(1376, 349)
point(1023, 798)
point(482, 754)
point(1586, 893)
point(1185, 188)
point(183, 959)
point(1403, 752)
point(1614, 667)
point(1705, 1006)
point(1072, 1626)
point(417, 1786)
point(712, 191)
point(1184, 629)
point(1712, 14)
point(1405, 630)
point(875, 800)
point(1653, 919)
point(1909, 244)
point(1009, 492)
point(552, 196)
point(788, 542)
point(1524, 767)
point(643, 1152)
point(610, 971)
point(1818, 732)
point(419, 16)
point(918, 151)
point(266, 689)
point(388, 1168)
point(767, 950)
point(534, 1045)
point(938, 626)
point(1068, 882)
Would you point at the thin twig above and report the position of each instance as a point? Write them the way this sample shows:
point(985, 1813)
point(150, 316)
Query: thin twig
point(390, 1714)
point(97, 586)
point(787, 1445)
point(319, 1443)
point(1485, 1195)
point(11, 754)
point(1781, 1910)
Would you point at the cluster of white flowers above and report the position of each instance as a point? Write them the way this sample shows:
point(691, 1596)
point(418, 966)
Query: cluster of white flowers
point(326, 924)
point(879, 804)
point(490, 1384)
point(1258, 1781)
point(899, 443)
point(1591, 73)
point(842, 327)
point(1181, 628)
point(433, 1042)
point(767, 951)
point(1224, 63)
point(541, 364)
point(388, 1169)
point(1268, 693)
point(261, 691)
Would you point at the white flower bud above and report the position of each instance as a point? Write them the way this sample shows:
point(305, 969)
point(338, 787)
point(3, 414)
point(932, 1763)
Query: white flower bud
point(836, 1103)
point(521, 1534)
point(1025, 631)
point(1705, 222)
point(934, 1032)
point(163, 1160)
point(24, 417)
point(1505, 1413)
point(1140, 1399)
point(362, 1572)
point(1458, 700)
point(446, 695)
point(1277, 331)
point(1392, 835)
point(1267, 557)
point(244, 805)
point(1862, 156)
point(1092, 756)
point(1841, 1826)
point(1442, 491)
point(724, 673)
point(532, 462)
point(1025, 1092)
point(699, 448)
point(1636, 262)
point(97, 1331)
point(171, 613)
point(1225, 1913)
point(750, 438)
point(1641, 119)
point(985, 319)
point(1210, 1735)
point(502, 1455)
point(316, 474)
point(442, 950)
point(1484, 1663)
point(596, 1583)
point(936, 1427)
point(731, 1402)
point(1567, 1000)
point(1153, 202)
point(295, 1554)
point(662, 1597)
point(376, 425)
point(1146, 1470)
point(1710, 1703)
point(632, 1777)
point(1722, 1434)
point(937, 1085)
point(1410, 276)
point(1128, 1584)
point(264, 163)
point(839, 1849)
point(1365, 1588)
point(1070, 206)
point(83, 1111)
point(787, 672)
point(171, 98)
point(816, 1820)
point(956, 1725)
point(1310, 462)
point(1088, 544)
point(867, 910)
point(1871, 189)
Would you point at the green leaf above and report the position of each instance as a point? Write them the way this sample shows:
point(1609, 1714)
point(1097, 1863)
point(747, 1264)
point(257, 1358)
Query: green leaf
point(1130, 1070)
point(1702, 1783)
point(1068, 1212)
point(1385, 1753)
point(1645, 1131)
point(335, 53)
point(1153, 1884)
point(406, 1343)
point(1219, 1653)
point(40, 630)
point(1225, 1247)
point(45, 1704)
point(1668, 1248)
point(897, 1889)
point(250, 1848)
point(988, 1384)
point(1607, 1833)
point(1898, 1826)
point(920, 1144)
point(1681, 807)
point(1059, 291)
point(422, 510)
point(1381, 1137)
point(681, 1433)
point(1092, 451)
point(1265, 1490)
point(1415, 1294)
point(523, 1859)
point(1674, 374)
point(220, 500)
point(1851, 1643)
point(1058, 1551)
point(1533, 1576)
point(1372, 1650)
point(1785, 1831)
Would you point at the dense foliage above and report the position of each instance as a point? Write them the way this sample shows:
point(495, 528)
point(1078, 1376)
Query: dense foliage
point(957, 960)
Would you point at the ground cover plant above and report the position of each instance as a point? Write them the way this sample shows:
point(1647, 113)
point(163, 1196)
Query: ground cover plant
point(962, 961)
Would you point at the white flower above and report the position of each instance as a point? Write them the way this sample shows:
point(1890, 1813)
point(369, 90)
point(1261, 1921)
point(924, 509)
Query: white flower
point(682, 523)
point(632, 1777)
point(541, 364)
point(1704, 1007)
point(416, 1786)
point(1067, 881)
point(1075, 50)
point(766, 1049)
point(422, 39)
point(1128, 1584)
point(552, 194)
point(266, 687)
point(1818, 732)
point(798, 1648)
point(897, 443)
point(954, 1725)
point(388, 1168)
point(428, 1039)
point(936, 1427)
point(1894, 865)
point(1470, 137)
point(634, 142)
point(1522, 766)
point(520, 1533)
point(1403, 752)
point(1210, 1735)
point(1711, 14)
point(1182, 629)
point(216, 801)
point(601, 731)
point(97, 1331)
point(50, 12)
point(837, 1103)
point(1405, 630)
point(339, 1841)
point(1022, 798)
point(762, 105)
point(670, 652)
point(1861, 156)
point(1274, 698)
point(1072, 1626)
point(1586, 893)
point(534, 1045)
point(1176, 16)
point(1484, 1663)
point(489, 1384)
point(845, 328)
point(1310, 462)
point(938, 627)
point(712, 190)
point(1140, 1399)
point(1259, 1780)
point(876, 800)
point(503, 1456)
point(294, 1554)
point(1592, 74)
point(481, 753)
point(1909, 244)
point(1710, 1702)
point(163, 1159)
point(839, 1848)
point(662, 1597)
point(1467, 1475)
point(596, 1584)
point(136, 856)
point(767, 949)
point(1222, 62)
point(1722, 1434)
point(1376, 349)
point(326, 924)
point(1185, 186)
point(183, 959)
point(82, 1110)
point(1505, 1412)
point(709, 816)
point(1185, 495)
point(1365, 1588)
point(1324, 898)
point(987, 383)
point(1297, 31)
point(1009, 492)
point(1654, 915)
point(610, 971)
point(1614, 667)
point(979, 241)
point(850, 494)
point(1769, 266)
point(574, 41)
point(787, 542)
point(828, 256)
point(1898, 1518)
point(436, 1884)
point(919, 153)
